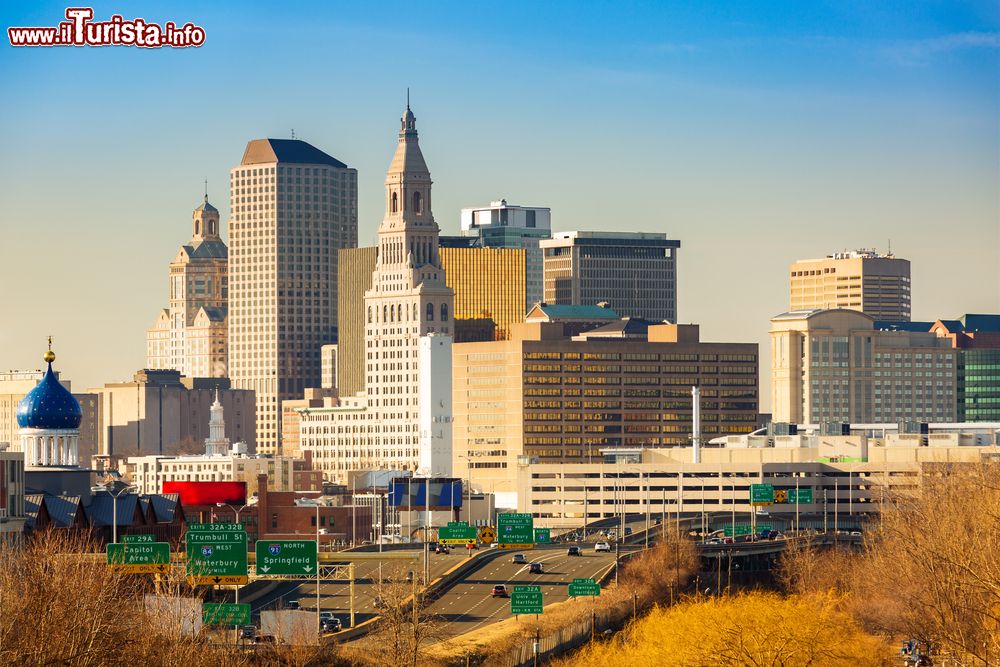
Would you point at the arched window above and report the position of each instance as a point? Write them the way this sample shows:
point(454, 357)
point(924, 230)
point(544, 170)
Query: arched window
point(395, 202)
point(197, 227)
point(430, 312)
point(369, 314)
point(392, 314)
point(444, 312)
point(385, 313)
point(399, 312)
point(416, 315)
point(417, 203)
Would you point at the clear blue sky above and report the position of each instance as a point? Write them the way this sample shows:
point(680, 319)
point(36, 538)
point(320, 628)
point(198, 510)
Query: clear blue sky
point(757, 133)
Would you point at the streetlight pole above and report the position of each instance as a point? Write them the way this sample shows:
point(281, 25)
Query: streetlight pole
point(319, 625)
point(114, 505)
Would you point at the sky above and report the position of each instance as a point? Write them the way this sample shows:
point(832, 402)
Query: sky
point(755, 133)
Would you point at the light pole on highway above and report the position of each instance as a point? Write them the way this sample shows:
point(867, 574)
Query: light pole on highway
point(121, 487)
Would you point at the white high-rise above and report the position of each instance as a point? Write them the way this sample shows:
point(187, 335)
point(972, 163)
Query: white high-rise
point(216, 444)
point(293, 208)
point(380, 428)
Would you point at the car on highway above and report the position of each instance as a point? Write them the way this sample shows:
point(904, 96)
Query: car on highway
point(855, 533)
point(519, 559)
point(292, 604)
point(248, 632)
point(325, 616)
point(602, 546)
point(628, 531)
point(499, 591)
point(330, 624)
point(442, 549)
point(535, 568)
point(573, 551)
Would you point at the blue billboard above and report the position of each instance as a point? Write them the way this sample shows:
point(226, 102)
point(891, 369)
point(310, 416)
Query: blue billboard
point(411, 492)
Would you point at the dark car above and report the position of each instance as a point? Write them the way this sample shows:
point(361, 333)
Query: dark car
point(441, 549)
point(331, 625)
point(573, 551)
point(628, 531)
point(248, 632)
point(535, 568)
point(499, 591)
point(292, 604)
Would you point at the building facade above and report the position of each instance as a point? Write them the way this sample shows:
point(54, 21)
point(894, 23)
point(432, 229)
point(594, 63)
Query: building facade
point(408, 299)
point(293, 208)
point(489, 285)
point(877, 284)
point(161, 412)
point(635, 272)
point(834, 366)
point(354, 275)
point(503, 225)
point(548, 397)
point(190, 335)
point(148, 473)
point(977, 338)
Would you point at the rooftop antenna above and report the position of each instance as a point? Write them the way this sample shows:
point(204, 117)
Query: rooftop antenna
point(206, 189)
point(890, 247)
point(293, 133)
point(407, 97)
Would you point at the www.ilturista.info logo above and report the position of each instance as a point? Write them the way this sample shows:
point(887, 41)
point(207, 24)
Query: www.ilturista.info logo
point(81, 30)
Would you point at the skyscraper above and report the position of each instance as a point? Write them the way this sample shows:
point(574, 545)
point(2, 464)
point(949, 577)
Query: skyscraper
point(877, 284)
point(503, 225)
point(489, 285)
point(408, 300)
point(293, 208)
point(190, 335)
point(635, 272)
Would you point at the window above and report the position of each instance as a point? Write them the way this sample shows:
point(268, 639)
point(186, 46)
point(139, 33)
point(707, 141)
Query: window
point(369, 314)
point(430, 312)
point(417, 203)
point(444, 312)
point(395, 203)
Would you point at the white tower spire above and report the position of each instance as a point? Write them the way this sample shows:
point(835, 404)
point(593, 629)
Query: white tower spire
point(216, 444)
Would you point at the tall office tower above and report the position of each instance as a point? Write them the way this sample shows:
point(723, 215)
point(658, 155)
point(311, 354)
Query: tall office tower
point(293, 208)
point(635, 272)
point(408, 300)
point(489, 285)
point(836, 366)
point(876, 284)
point(191, 335)
point(354, 278)
point(503, 225)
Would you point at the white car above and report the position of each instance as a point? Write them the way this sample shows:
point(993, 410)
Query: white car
point(602, 546)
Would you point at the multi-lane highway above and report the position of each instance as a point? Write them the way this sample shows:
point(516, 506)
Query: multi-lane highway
point(468, 605)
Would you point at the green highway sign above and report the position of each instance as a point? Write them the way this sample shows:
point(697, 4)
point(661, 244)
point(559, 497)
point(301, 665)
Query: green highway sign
point(216, 553)
point(761, 494)
point(583, 588)
point(286, 557)
point(140, 557)
point(225, 614)
point(744, 528)
point(543, 536)
point(802, 496)
point(526, 600)
point(457, 532)
point(515, 531)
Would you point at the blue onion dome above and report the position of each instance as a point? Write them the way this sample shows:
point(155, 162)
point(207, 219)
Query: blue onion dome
point(49, 405)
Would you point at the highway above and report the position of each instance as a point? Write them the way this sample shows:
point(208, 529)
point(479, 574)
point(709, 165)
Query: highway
point(468, 605)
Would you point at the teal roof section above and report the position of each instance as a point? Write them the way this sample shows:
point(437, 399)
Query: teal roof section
point(561, 311)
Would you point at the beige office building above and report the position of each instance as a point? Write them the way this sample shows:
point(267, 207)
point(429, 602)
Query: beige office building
point(877, 284)
point(149, 473)
point(190, 336)
point(833, 366)
point(354, 276)
point(408, 315)
point(561, 400)
point(635, 272)
point(293, 208)
point(161, 412)
point(14, 385)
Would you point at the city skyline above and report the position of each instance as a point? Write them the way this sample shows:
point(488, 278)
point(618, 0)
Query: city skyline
point(884, 128)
